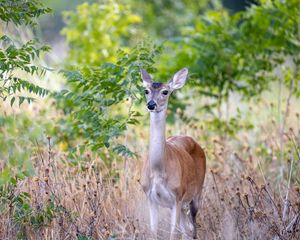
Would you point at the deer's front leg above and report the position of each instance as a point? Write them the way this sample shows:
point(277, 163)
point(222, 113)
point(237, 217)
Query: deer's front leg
point(153, 217)
point(176, 210)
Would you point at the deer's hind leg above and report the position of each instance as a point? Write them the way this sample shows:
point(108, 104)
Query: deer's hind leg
point(194, 206)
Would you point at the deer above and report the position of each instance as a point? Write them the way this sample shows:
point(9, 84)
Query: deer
point(174, 170)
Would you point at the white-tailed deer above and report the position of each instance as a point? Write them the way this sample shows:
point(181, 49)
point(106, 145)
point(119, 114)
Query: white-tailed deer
point(173, 173)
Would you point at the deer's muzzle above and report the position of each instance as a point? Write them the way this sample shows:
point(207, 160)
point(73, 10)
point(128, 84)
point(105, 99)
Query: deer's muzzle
point(151, 105)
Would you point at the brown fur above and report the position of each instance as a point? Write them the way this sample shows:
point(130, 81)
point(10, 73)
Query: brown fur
point(185, 168)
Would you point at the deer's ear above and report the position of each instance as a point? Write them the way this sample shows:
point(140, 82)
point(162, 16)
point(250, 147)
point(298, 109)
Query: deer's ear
point(147, 80)
point(179, 79)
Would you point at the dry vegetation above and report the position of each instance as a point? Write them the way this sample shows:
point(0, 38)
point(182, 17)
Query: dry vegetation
point(245, 195)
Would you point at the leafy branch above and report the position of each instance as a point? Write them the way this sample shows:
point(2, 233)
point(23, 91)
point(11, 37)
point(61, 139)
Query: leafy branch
point(19, 60)
point(93, 108)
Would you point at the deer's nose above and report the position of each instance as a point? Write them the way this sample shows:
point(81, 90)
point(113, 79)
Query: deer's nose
point(151, 105)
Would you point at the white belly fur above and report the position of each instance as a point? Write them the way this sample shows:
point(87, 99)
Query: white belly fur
point(160, 194)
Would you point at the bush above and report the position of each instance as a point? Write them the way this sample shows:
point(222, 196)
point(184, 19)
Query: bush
point(93, 107)
point(96, 31)
point(19, 59)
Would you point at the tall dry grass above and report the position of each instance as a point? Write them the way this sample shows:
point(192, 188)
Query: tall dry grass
point(246, 195)
point(237, 203)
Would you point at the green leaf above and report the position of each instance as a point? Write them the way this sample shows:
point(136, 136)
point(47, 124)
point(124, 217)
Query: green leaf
point(21, 100)
point(12, 101)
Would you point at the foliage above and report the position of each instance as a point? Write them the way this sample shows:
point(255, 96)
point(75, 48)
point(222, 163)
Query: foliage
point(236, 53)
point(7, 194)
point(18, 206)
point(19, 136)
point(229, 127)
point(17, 62)
point(273, 29)
point(217, 58)
point(225, 54)
point(274, 26)
point(157, 15)
point(18, 59)
point(96, 31)
point(21, 11)
point(25, 215)
point(94, 102)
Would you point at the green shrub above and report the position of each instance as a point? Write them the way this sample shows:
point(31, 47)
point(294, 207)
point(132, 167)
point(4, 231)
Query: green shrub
point(94, 105)
point(18, 59)
point(96, 31)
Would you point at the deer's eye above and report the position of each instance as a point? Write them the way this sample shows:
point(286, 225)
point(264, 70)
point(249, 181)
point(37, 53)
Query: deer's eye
point(146, 91)
point(165, 92)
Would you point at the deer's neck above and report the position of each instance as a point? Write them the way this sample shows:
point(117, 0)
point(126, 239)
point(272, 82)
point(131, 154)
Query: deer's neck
point(157, 141)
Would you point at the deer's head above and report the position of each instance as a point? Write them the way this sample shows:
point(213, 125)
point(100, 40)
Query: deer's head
point(157, 94)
